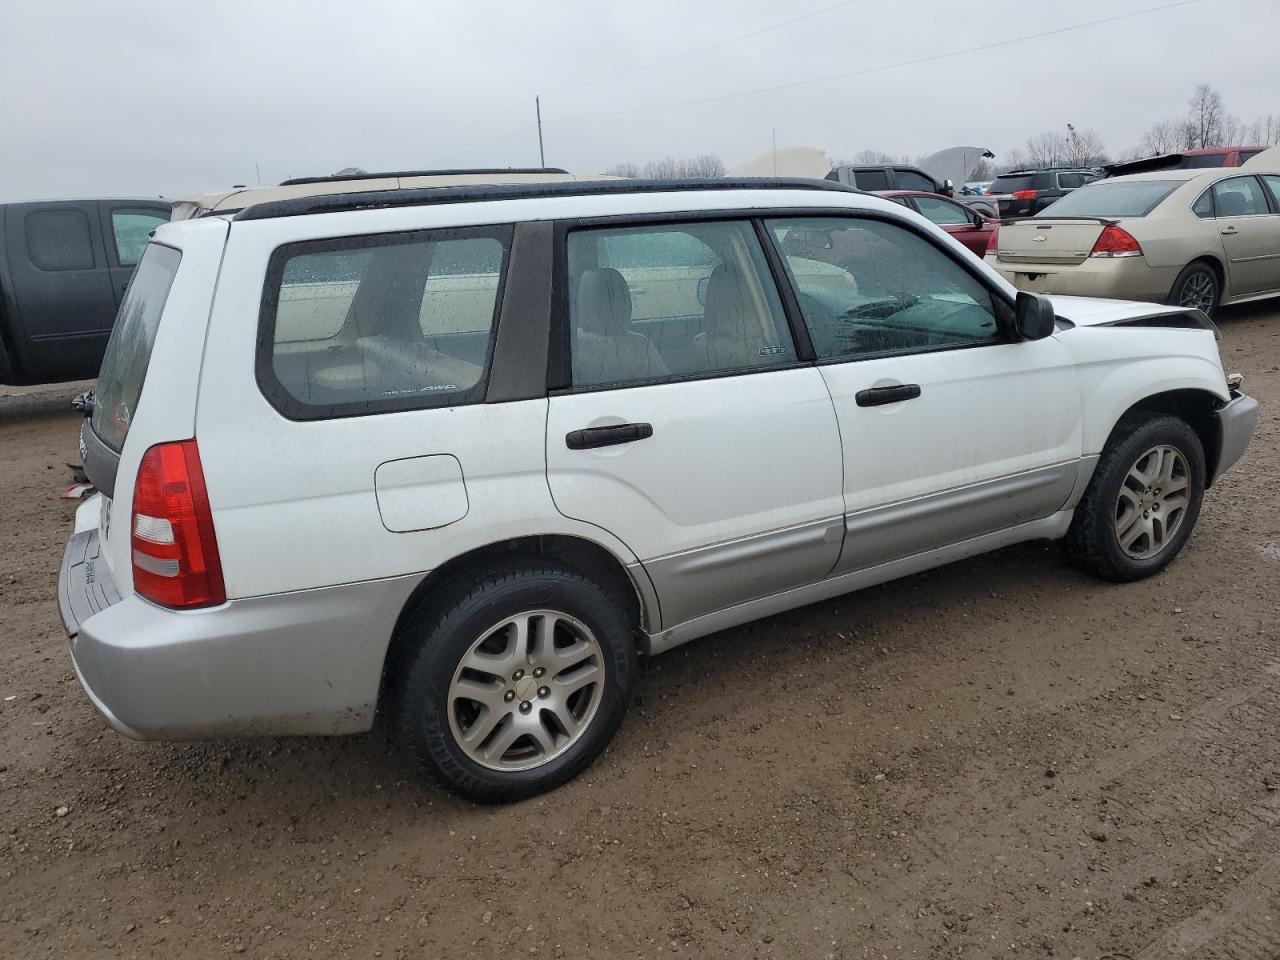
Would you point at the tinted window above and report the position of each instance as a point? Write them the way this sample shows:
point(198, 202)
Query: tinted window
point(647, 303)
point(871, 180)
point(943, 212)
point(1273, 184)
point(124, 366)
point(1011, 182)
point(59, 239)
point(1203, 207)
point(1069, 181)
point(912, 180)
point(131, 230)
point(1239, 197)
point(368, 324)
point(1204, 161)
point(1248, 155)
point(869, 288)
point(1113, 198)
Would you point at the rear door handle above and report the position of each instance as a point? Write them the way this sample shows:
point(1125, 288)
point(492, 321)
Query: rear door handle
point(1228, 231)
point(607, 436)
point(878, 396)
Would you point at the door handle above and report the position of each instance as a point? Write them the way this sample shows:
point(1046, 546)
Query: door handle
point(592, 437)
point(878, 396)
point(1228, 231)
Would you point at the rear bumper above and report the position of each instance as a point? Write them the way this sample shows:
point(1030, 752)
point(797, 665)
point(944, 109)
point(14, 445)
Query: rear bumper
point(308, 662)
point(1236, 422)
point(1113, 278)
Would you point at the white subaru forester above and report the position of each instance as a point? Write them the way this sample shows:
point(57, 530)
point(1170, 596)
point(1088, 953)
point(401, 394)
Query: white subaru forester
point(459, 455)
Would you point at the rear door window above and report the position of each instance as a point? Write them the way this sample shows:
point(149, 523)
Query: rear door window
point(1239, 197)
point(651, 302)
point(59, 239)
point(124, 366)
point(362, 325)
point(871, 180)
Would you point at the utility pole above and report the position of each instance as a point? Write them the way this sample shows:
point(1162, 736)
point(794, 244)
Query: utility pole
point(775, 151)
point(542, 156)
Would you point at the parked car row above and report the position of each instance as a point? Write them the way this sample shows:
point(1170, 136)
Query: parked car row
point(460, 455)
point(1189, 237)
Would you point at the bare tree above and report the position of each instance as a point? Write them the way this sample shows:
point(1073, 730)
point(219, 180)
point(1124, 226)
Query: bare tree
point(1163, 137)
point(629, 170)
point(1204, 117)
point(703, 166)
point(1086, 147)
point(1048, 149)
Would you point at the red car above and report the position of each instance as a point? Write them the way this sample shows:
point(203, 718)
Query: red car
point(970, 227)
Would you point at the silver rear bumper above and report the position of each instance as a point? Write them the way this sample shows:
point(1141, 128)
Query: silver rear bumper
point(1236, 422)
point(308, 662)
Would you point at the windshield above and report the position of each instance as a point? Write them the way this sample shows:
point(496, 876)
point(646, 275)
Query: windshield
point(124, 367)
point(1112, 198)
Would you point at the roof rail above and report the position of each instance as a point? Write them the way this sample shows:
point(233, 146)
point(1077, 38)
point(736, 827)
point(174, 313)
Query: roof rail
point(460, 172)
point(422, 196)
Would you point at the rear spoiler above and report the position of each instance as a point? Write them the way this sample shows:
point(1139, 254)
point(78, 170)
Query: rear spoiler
point(1165, 161)
point(1039, 219)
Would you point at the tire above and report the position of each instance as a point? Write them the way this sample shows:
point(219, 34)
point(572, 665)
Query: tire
point(1197, 286)
point(565, 732)
point(1094, 540)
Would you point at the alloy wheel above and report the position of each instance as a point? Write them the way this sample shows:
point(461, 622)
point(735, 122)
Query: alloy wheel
point(1152, 502)
point(1200, 290)
point(526, 690)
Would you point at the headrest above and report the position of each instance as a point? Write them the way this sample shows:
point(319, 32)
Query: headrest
point(604, 301)
point(1230, 204)
point(727, 305)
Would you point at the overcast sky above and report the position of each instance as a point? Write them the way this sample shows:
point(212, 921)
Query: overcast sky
point(146, 97)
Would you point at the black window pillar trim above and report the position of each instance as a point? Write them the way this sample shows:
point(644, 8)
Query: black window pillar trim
point(786, 292)
point(520, 352)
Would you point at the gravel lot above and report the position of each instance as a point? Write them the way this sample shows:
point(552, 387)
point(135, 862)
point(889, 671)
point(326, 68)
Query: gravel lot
point(1000, 758)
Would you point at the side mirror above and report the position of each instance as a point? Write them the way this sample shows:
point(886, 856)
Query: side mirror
point(978, 219)
point(1033, 317)
point(948, 188)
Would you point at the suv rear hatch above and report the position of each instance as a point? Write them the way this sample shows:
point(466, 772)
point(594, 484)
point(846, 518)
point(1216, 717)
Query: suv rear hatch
point(1016, 193)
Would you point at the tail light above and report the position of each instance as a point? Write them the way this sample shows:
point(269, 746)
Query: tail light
point(1024, 194)
point(991, 240)
point(1115, 242)
point(175, 552)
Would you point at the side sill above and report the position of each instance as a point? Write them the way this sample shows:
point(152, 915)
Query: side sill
point(1052, 528)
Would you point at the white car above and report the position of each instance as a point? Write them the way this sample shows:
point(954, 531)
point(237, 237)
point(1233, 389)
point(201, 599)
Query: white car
point(461, 455)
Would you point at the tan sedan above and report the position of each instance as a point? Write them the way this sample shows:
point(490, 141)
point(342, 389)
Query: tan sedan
point(1186, 237)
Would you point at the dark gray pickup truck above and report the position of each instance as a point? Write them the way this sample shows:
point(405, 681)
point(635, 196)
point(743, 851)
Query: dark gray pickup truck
point(64, 266)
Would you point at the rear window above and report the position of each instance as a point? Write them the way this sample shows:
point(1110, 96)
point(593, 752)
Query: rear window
point(1203, 161)
point(1113, 198)
point(59, 240)
point(364, 325)
point(1008, 183)
point(124, 366)
point(870, 179)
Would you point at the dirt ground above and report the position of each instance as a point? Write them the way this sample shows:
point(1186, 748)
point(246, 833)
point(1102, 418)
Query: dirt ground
point(1001, 758)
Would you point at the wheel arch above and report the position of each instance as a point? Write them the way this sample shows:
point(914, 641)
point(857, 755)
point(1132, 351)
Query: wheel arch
point(587, 557)
point(1219, 268)
point(1195, 407)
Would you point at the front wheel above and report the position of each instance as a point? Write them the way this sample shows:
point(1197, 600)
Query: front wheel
point(520, 677)
point(1143, 500)
point(1197, 286)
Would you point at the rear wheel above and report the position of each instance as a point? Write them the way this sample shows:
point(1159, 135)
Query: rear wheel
point(1197, 286)
point(1143, 500)
point(520, 677)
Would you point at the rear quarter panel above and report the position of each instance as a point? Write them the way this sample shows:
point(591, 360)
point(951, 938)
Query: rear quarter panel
point(167, 407)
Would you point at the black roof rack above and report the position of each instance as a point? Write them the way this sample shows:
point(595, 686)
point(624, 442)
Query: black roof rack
point(460, 172)
point(377, 199)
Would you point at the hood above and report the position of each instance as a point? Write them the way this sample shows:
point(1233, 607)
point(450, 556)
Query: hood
point(1096, 312)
